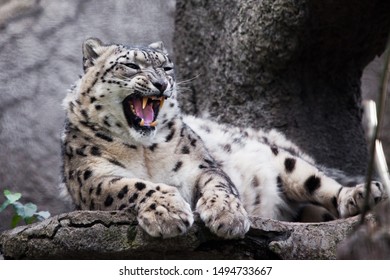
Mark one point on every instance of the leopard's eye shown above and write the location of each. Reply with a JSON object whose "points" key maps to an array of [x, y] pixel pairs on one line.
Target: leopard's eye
{"points": [[132, 66], [167, 68]]}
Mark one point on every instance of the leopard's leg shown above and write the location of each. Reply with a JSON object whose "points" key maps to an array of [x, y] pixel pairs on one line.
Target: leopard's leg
{"points": [[211, 191], [304, 182], [219, 205], [161, 210]]}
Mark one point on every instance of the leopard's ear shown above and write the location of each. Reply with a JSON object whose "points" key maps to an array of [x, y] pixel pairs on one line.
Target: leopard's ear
{"points": [[158, 46], [92, 49]]}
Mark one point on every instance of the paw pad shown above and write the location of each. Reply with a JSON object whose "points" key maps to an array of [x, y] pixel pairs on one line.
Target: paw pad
{"points": [[226, 217], [165, 217]]}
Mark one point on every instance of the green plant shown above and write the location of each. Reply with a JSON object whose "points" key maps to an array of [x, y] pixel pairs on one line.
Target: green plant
{"points": [[26, 212]]}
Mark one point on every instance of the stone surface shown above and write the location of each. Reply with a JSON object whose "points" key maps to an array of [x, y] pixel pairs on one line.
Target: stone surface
{"points": [[115, 235], [369, 241]]}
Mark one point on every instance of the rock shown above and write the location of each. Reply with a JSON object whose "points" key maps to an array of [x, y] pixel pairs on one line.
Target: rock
{"points": [[291, 65], [116, 235]]}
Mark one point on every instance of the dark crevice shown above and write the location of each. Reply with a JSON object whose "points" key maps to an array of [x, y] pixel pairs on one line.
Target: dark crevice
{"points": [[45, 236], [268, 236], [98, 222]]}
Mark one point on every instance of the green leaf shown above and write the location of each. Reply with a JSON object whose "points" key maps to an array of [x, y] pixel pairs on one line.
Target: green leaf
{"points": [[15, 220], [12, 197], [19, 208], [25, 211], [41, 215], [4, 205], [29, 210]]}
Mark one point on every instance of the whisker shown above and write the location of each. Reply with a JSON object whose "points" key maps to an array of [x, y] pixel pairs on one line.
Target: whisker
{"points": [[188, 80], [183, 89]]}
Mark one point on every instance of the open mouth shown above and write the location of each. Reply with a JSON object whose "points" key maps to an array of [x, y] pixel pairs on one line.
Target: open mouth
{"points": [[141, 112]]}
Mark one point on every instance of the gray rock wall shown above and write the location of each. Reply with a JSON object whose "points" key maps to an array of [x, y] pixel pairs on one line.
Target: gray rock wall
{"points": [[293, 65], [40, 57]]}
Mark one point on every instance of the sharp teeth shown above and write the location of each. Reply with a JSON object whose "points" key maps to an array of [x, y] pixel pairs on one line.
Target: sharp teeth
{"points": [[153, 123], [142, 123], [144, 102], [162, 102]]}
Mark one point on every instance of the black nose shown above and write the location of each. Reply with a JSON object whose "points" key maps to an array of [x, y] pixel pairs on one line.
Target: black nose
{"points": [[161, 86]]}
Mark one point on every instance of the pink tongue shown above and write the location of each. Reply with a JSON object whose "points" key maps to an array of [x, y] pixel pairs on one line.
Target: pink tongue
{"points": [[147, 114]]}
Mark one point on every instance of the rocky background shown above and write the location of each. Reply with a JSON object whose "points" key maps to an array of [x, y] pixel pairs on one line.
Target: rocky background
{"points": [[40, 57], [291, 65]]}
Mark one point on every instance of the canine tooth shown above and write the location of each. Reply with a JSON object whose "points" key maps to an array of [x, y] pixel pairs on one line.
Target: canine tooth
{"points": [[162, 102], [153, 123], [142, 123], [144, 102]]}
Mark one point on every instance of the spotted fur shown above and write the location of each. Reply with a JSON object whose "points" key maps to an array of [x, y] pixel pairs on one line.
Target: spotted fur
{"points": [[127, 147]]}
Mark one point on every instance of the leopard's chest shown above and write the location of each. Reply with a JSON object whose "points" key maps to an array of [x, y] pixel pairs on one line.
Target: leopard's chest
{"points": [[154, 162]]}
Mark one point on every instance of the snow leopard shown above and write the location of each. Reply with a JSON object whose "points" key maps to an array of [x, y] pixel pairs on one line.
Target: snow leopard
{"points": [[126, 146]]}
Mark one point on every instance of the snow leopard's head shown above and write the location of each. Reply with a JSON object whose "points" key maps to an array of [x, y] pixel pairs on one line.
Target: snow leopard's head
{"points": [[124, 88]]}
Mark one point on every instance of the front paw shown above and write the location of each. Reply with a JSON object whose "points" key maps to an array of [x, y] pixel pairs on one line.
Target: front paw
{"points": [[224, 215], [351, 200], [165, 214]]}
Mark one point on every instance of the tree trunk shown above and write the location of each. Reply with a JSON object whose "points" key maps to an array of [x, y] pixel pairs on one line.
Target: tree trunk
{"points": [[115, 235], [285, 64]]}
